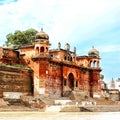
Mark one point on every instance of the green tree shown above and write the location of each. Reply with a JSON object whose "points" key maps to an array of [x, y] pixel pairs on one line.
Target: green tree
{"points": [[20, 38], [101, 76]]}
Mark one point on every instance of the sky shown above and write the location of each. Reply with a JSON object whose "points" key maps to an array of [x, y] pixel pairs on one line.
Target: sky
{"points": [[81, 23]]}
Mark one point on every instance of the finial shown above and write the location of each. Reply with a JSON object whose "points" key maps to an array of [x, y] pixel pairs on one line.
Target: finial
{"points": [[92, 46], [42, 29], [59, 45], [75, 50]]}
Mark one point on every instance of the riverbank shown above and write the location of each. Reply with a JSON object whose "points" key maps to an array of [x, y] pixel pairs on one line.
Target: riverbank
{"points": [[59, 105], [65, 108], [59, 115]]}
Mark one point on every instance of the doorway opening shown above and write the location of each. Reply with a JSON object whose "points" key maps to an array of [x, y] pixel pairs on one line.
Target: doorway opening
{"points": [[71, 81]]}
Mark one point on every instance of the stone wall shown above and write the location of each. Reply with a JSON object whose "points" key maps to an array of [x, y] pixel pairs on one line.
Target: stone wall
{"points": [[54, 81], [15, 80]]}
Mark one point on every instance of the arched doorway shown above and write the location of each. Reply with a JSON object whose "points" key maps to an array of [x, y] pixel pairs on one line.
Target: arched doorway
{"points": [[42, 49], [37, 51], [71, 81]]}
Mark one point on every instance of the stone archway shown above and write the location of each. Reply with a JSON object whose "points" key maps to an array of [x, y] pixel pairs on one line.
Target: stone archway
{"points": [[71, 81], [37, 50]]}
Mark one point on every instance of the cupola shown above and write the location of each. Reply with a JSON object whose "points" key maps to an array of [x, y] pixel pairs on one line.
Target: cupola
{"points": [[93, 52], [42, 35]]}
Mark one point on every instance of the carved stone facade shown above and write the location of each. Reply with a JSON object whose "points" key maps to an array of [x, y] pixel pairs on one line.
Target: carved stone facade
{"points": [[58, 71]]}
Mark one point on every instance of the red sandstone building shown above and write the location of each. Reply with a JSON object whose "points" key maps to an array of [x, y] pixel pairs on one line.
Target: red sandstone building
{"points": [[56, 72]]}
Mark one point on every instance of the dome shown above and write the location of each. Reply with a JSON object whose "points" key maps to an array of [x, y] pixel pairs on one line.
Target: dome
{"points": [[93, 52], [42, 35]]}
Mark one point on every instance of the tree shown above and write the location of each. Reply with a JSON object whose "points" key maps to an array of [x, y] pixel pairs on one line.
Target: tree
{"points": [[20, 38], [102, 76]]}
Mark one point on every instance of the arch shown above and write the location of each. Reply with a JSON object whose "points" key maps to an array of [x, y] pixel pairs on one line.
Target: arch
{"points": [[42, 49], [91, 64], [94, 62], [71, 59], [77, 83], [37, 50], [46, 49], [71, 81], [65, 58], [98, 63], [68, 58]]}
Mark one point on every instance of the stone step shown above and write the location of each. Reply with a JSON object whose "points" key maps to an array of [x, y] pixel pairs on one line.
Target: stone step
{"points": [[14, 101], [55, 108], [103, 108], [3, 103]]}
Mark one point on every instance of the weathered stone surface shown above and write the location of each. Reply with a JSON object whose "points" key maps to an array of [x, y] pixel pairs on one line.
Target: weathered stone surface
{"points": [[15, 80], [55, 72]]}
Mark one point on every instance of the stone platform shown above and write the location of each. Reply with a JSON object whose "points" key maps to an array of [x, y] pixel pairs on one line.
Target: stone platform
{"points": [[58, 108]]}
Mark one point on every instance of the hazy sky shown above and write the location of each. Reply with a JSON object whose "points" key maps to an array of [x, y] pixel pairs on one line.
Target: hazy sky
{"points": [[81, 23]]}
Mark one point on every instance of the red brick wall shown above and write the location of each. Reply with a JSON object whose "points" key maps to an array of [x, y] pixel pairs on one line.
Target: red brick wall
{"points": [[54, 82], [15, 80]]}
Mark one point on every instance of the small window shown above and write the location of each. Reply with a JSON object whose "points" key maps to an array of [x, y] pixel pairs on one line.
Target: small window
{"points": [[71, 59], [68, 58], [51, 55], [37, 50], [42, 49], [46, 49], [28, 61], [76, 83], [65, 58]]}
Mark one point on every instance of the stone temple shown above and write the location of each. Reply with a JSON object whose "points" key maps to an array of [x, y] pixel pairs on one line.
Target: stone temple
{"points": [[45, 71]]}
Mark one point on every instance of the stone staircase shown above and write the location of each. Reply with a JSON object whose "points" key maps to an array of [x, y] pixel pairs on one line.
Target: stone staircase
{"points": [[53, 108], [61, 104], [103, 108], [67, 93], [15, 102], [103, 101], [77, 96], [3, 103]]}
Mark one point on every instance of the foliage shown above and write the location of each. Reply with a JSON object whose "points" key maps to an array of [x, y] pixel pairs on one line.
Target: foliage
{"points": [[20, 38], [1, 64], [20, 66], [14, 66], [85, 69], [102, 76]]}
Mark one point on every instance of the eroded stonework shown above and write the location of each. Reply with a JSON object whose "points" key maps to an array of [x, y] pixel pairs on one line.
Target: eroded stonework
{"points": [[56, 72]]}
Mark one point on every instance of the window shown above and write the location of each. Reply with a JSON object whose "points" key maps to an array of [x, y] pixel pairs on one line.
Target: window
{"points": [[51, 55], [76, 83], [65, 58], [68, 58], [46, 49], [37, 50], [42, 49]]}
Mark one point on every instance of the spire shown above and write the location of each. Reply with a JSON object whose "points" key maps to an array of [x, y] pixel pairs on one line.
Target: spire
{"points": [[41, 29], [59, 45]]}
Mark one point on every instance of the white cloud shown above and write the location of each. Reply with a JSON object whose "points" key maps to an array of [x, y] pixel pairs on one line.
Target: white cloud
{"points": [[109, 48], [2, 2], [61, 17], [73, 21]]}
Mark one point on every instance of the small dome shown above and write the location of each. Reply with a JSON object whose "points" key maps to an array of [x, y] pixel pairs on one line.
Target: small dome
{"points": [[93, 52], [42, 35]]}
